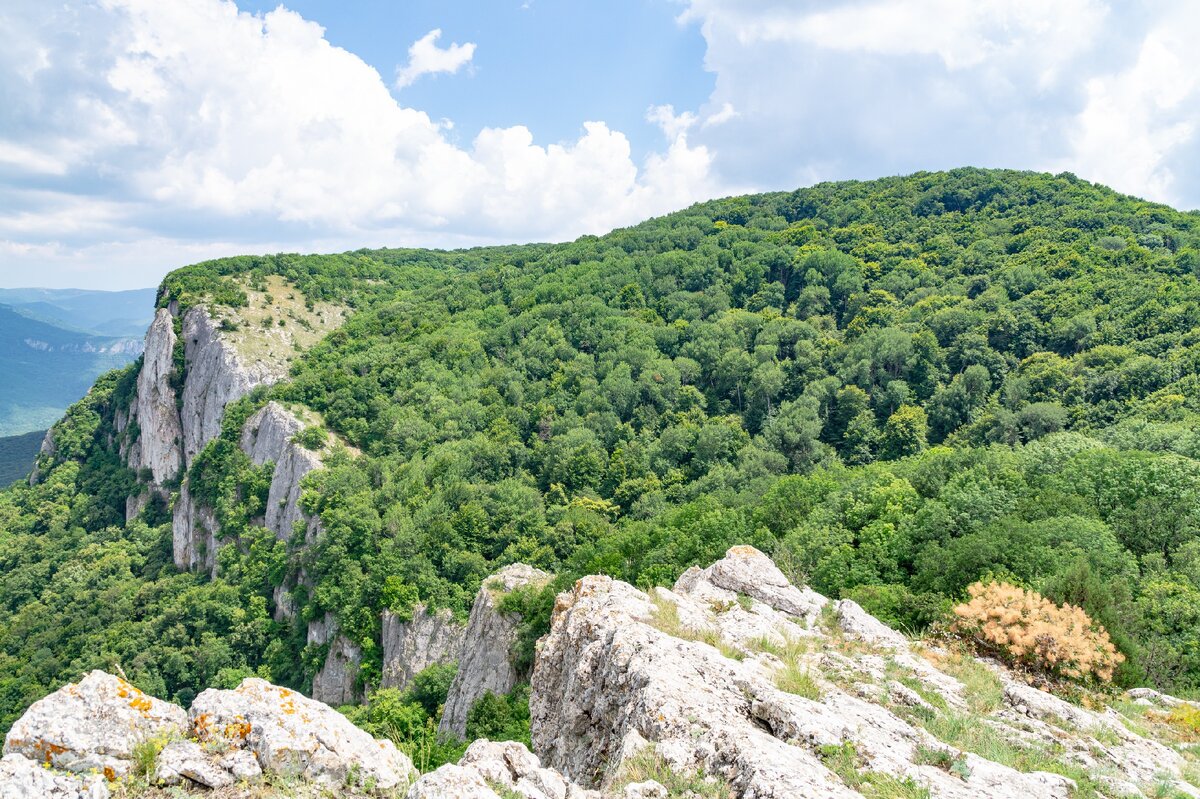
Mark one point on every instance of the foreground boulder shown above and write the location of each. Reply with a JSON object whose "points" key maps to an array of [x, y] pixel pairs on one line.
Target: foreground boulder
{"points": [[486, 662], [298, 737], [489, 770], [93, 725], [772, 691], [21, 778]]}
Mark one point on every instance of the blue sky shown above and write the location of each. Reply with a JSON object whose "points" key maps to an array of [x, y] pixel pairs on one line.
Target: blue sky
{"points": [[137, 136], [545, 64]]}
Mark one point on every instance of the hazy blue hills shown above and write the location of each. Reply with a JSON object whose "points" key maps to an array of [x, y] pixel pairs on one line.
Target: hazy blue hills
{"points": [[105, 313], [54, 343], [17, 454]]}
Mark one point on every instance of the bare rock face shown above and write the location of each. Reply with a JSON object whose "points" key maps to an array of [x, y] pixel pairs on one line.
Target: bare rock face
{"points": [[745, 681], [334, 683], [94, 724], [486, 663], [267, 436], [490, 770], [160, 443], [21, 778], [194, 530], [216, 376], [294, 736], [410, 647]]}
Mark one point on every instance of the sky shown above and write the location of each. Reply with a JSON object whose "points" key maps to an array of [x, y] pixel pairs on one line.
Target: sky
{"points": [[137, 136]]}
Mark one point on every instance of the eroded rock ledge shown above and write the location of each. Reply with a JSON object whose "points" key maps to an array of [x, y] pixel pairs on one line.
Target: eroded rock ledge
{"points": [[732, 684]]}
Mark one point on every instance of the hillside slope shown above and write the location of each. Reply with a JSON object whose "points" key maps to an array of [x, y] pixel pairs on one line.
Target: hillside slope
{"points": [[894, 387], [48, 367], [17, 454]]}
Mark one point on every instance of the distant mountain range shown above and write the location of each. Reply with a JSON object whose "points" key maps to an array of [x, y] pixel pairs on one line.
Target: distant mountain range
{"points": [[55, 342], [100, 313]]}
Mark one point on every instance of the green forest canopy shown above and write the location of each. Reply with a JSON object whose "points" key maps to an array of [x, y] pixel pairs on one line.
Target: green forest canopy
{"points": [[895, 387]]}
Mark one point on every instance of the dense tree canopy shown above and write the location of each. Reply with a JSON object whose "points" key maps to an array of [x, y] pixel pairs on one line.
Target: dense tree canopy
{"points": [[896, 387]]}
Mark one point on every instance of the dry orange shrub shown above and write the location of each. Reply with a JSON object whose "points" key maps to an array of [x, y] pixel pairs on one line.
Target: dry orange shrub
{"points": [[1031, 630]]}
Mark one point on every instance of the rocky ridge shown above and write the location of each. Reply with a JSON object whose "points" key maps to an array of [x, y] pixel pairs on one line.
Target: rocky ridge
{"points": [[485, 665], [226, 354], [733, 683]]}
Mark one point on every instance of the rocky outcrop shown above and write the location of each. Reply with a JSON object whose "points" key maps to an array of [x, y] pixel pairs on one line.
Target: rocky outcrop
{"points": [[412, 645], [216, 376], [490, 770], [92, 725], [228, 737], [486, 663], [294, 736], [173, 426], [268, 436], [159, 447], [335, 683], [22, 778], [738, 675]]}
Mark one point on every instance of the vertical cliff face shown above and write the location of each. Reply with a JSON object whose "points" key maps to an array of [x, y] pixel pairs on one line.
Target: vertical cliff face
{"points": [[486, 662], [159, 443], [179, 408], [413, 645], [216, 376], [268, 437]]}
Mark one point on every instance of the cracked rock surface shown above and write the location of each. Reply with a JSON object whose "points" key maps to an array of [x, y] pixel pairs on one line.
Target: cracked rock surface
{"points": [[776, 692]]}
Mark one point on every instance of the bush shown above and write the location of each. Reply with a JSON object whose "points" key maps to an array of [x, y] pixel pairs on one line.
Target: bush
{"points": [[1027, 629]]}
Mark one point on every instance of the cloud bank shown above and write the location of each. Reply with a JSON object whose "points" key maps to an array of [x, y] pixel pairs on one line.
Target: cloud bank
{"points": [[162, 127], [139, 135]]}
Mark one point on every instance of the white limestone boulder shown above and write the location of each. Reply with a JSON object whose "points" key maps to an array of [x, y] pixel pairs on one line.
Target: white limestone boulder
{"points": [[298, 737], [21, 778], [94, 724]]}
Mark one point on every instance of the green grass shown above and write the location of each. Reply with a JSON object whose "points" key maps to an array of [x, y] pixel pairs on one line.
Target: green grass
{"points": [[845, 762], [648, 764]]}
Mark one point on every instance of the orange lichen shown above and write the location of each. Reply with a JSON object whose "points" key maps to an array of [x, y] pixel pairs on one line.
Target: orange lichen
{"points": [[1030, 630], [109, 774], [201, 726], [237, 729], [142, 704], [47, 750]]}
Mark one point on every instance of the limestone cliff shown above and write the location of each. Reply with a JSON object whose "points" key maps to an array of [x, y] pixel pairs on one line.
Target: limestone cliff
{"points": [[413, 645], [216, 376], [486, 663], [267, 437], [159, 445]]}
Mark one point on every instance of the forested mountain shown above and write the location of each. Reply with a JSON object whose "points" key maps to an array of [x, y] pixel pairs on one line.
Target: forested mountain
{"points": [[17, 454], [47, 365], [894, 387]]}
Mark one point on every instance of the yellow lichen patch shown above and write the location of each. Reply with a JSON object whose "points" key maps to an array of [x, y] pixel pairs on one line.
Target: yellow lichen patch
{"points": [[288, 706], [141, 704], [237, 730]]}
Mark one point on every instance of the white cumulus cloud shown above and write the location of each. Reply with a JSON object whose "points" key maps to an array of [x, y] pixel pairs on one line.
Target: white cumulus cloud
{"points": [[132, 141], [426, 58], [833, 89]]}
